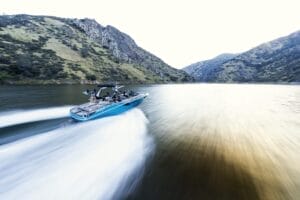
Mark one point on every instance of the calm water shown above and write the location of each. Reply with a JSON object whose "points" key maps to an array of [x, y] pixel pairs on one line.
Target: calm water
{"points": [[198, 141]]}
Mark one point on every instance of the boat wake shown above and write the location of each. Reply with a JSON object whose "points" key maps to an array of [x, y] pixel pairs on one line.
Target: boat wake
{"points": [[25, 116], [91, 160]]}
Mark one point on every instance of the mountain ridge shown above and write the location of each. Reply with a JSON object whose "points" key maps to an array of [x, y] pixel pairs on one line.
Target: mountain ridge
{"points": [[201, 70], [274, 61], [49, 49]]}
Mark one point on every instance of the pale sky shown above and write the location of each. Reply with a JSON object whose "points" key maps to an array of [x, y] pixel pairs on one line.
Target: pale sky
{"points": [[179, 32]]}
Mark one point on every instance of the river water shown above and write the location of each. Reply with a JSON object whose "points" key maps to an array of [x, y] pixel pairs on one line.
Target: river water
{"points": [[190, 141]]}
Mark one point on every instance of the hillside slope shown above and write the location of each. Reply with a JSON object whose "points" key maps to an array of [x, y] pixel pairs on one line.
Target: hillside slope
{"points": [[204, 70], [43, 49], [275, 61]]}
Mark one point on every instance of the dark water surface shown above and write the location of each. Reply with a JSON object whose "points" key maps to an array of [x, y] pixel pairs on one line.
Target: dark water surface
{"points": [[197, 141]]}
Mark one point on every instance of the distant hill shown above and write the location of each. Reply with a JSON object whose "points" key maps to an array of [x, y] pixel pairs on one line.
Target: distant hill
{"points": [[44, 49], [275, 61], [205, 70]]}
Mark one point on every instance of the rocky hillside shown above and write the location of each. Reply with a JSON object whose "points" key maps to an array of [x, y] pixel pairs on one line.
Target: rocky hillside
{"points": [[43, 49], [275, 61], [204, 70]]}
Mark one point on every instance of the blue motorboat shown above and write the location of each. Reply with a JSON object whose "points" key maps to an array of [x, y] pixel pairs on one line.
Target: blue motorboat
{"points": [[106, 105]]}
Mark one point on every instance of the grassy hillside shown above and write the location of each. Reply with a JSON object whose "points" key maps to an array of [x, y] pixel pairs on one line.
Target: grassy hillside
{"points": [[41, 49]]}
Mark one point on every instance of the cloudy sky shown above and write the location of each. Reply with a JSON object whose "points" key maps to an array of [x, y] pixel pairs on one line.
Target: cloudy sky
{"points": [[180, 32]]}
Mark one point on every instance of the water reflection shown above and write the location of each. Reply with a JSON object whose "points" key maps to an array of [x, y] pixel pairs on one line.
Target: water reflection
{"points": [[224, 142]]}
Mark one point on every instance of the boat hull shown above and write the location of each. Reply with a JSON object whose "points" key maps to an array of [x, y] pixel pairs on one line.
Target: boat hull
{"points": [[115, 109]]}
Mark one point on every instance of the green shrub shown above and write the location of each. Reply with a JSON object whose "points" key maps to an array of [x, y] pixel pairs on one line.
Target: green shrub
{"points": [[90, 77], [84, 51]]}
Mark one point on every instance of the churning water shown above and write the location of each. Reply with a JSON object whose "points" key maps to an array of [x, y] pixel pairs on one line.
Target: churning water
{"points": [[90, 160], [20, 117], [210, 141]]}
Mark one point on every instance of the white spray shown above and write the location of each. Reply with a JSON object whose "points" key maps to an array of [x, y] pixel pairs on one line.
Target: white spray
{"points": [[25, 116], [83, 161]]}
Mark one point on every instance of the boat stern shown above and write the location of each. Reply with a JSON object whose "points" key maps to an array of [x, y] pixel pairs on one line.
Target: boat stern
{"points": [[79, 114]]}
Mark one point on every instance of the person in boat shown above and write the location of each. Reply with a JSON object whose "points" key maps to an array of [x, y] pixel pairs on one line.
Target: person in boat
{"points": [[119, 98], [114, 97], [131, 93], [125, 94], [93, 98], [106, 97]]}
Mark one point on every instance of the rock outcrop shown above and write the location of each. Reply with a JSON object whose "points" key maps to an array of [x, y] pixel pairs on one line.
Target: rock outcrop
{"points": [[124, 48]]}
